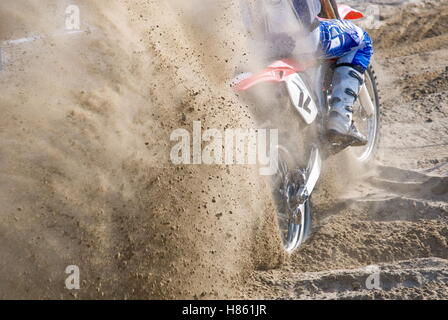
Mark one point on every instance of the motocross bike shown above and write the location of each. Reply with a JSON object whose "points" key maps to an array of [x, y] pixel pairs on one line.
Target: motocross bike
{"points": [[302, 91]]}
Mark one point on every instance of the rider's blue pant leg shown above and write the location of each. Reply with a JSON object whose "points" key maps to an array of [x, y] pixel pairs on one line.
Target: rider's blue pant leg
{"points": [[343, 40]]}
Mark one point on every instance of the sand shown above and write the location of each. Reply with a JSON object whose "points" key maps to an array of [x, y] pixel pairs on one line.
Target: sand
{"points": [[86, 178]]}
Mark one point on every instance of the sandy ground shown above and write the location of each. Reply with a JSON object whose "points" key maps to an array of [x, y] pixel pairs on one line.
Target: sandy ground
{"points": [[86, 179]]}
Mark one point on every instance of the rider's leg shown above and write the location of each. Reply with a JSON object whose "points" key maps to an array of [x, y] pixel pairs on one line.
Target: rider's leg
{"points": [[347, 80]]}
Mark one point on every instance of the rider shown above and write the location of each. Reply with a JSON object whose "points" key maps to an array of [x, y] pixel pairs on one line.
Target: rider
{"points": [[333, 39]]}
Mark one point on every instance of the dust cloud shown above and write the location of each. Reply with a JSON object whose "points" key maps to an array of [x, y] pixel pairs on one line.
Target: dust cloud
{"points": [[86, 178]]}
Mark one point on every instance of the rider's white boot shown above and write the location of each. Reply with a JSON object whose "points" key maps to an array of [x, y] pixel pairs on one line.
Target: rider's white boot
{"points": [[347, 82]]}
